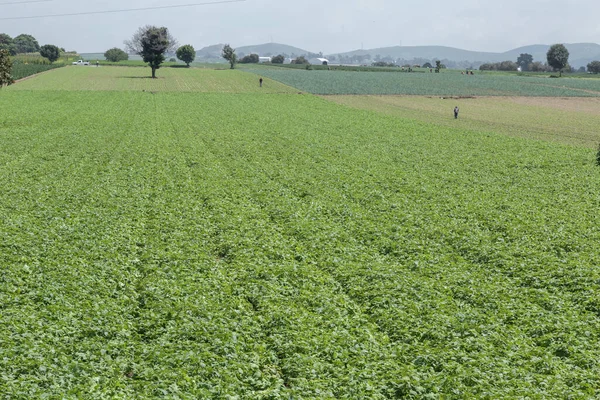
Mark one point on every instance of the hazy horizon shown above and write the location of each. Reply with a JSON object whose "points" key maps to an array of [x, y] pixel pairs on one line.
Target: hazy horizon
{"points": [[332, 27]]}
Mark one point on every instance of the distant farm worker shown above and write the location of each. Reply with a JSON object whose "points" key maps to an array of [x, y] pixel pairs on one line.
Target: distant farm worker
{"points": [[97, 63], [260, 81], [456, 112]]}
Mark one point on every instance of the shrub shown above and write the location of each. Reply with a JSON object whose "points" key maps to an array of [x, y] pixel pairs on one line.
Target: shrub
{"points": [[598, 156], [115, 55], [187, 54], [250, 59]]}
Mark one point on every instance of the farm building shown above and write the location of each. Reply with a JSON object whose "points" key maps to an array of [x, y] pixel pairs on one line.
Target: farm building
{"points": [[264, 59]]}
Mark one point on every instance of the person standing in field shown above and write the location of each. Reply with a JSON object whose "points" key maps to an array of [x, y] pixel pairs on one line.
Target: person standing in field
{"points": [[260, 81], [456, 109]]}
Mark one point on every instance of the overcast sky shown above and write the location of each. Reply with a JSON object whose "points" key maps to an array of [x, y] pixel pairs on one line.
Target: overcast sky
{"points": [[316, 25]]}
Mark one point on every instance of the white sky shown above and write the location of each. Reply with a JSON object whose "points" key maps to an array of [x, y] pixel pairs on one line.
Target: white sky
{"points": [[316, 25]]}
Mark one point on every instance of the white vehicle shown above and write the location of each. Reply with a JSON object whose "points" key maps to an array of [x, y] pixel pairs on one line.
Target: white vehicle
{"points": [[81, 62]]}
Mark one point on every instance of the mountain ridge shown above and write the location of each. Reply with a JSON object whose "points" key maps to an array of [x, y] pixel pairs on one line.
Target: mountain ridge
{"points": [[580, 53]]}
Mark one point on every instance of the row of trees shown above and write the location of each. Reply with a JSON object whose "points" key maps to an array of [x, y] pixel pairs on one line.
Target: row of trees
{"points": [[228, 53], [557, 58], [21, 44]]}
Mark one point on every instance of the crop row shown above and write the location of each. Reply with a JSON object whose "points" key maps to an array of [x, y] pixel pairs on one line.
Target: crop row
{"points": [[189, 246], [20, 71]]}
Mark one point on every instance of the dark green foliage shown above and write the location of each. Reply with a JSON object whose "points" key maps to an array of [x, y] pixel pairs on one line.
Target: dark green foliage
{"points": [[383, 64], [279, 59], [5, 68], [250, 59], [594, 67], [7, 43], [151, 43], [51, 52], [187, 54], [228, 53], [500, 66], [300, 61], [427, 65], [524, 60], [115, 55], [155, 43], [598, 156], [26, 44], [22, 70], [558, 57]]}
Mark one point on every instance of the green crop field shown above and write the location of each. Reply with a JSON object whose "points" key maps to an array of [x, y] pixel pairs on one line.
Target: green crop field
{"points": [[209, 240], [430, 84], [84, 78]]}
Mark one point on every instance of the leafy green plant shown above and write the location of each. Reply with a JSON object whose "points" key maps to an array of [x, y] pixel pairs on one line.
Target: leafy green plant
{"points": [[309, 250]]}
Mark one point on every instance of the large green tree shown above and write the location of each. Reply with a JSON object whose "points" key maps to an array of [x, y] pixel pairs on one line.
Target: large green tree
{"points": [[7, 43], [228, 53], [187, 54], [558, 57], [279, 59], [115, 55], [26, 44], [594, 67], [50, 51], [524, 60], [5, 68], [152, 43]]}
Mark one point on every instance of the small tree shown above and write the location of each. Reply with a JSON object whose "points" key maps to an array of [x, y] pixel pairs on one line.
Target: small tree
{"points": [[51, 52], [524, 60], [151, 43], [5, 68], [558, 57], [228, 53], [594, 67], [438, 66], [279, 59], [187, 54], [115, 55]]}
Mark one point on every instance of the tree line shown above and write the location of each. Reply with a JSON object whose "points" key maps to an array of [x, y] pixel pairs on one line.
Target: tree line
{"points": [[557, 59]]}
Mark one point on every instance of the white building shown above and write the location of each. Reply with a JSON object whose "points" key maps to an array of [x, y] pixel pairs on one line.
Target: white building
{"points": [[319, 61]]}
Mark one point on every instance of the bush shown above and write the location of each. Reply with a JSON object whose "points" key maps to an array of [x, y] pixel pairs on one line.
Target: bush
{"points": [[250, 59], [300, 60], [115, 55], [278, 59], [51, 52], [187, 54], [598, 156], [594, 67]]}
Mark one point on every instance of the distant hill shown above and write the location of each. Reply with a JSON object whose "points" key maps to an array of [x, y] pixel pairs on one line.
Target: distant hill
{"points": [[580, 53], [267, 49]]}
